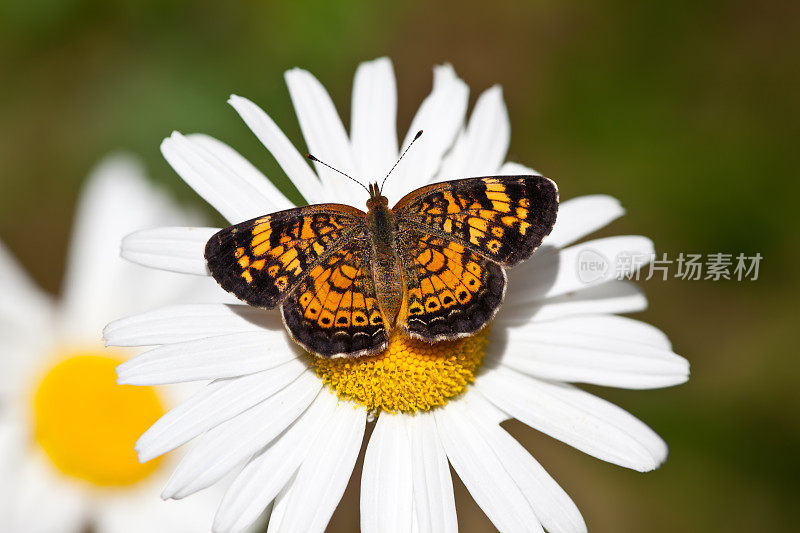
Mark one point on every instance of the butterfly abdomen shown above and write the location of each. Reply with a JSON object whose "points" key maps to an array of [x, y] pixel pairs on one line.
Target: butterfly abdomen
{"points": [[385, 263]]}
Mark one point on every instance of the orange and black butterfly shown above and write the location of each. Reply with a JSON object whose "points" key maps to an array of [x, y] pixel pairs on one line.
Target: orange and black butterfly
{"points": [[432, 265]]}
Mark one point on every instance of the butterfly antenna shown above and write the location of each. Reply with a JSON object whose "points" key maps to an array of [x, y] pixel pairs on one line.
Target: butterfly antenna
{"points": [[417, 136], [311, 157]]}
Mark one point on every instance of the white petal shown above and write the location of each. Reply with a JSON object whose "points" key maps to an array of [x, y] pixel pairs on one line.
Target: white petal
{"points": [[575, 417], [215, 403], [581, 216], [551, 272], [553, 507], [23, 303], [325, 135], [603, 327], [235, 164], [116, 200], [183, 323], [441, 116], [280, 506], [143, 511], [178, 249], [373, 124], [610, 297], [568, 350], [509, 168], [222, 448], [223, 356], [231, 194], [386, 490], [293, 164], [482, 148], [323, 476], [490, 485], [267, 473], [434, 503]]}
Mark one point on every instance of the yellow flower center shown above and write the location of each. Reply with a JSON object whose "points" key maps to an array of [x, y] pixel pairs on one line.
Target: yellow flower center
{"points": [[87, 424], [411, 375]]}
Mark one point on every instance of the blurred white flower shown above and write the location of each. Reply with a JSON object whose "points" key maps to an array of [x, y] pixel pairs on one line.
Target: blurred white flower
{"points": [[298, 422], [66, 428]]}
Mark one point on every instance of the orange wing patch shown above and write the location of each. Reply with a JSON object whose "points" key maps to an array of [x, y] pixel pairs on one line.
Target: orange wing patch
{"points": [[450, 291], [260, 261], [334, 310], [502, 218]]}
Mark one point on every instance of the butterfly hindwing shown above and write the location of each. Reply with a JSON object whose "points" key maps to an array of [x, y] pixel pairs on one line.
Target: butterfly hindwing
{"points": [[262, 260], [450, 291], [334, 311], [503, 218]]}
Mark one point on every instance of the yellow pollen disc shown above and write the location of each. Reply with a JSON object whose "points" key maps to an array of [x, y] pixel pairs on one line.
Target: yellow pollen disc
{"points": [[87, 424], [411, 375]]}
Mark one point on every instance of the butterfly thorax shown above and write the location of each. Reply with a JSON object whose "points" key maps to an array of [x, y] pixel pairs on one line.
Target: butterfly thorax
{"points": [[382, 229]]}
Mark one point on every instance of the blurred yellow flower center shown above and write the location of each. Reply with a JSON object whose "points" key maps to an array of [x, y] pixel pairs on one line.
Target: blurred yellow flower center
{"points": [[411, 375], [87, 424]]}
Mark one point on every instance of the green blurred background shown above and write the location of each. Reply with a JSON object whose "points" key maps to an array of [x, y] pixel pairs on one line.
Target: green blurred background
{"points": [[687, 111]]}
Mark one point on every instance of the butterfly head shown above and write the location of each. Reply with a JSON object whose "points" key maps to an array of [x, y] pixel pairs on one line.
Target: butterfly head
{"points": [[376, 199]]}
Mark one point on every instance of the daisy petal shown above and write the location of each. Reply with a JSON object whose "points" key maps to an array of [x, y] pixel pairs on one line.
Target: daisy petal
{"points": [[116, 200], [178, 249], [608, 298], [441, 116], [281, 148], [509, 168], [324, 134], [225, 446], [555, 509], [262, 479], [234, 163], [434, 503], [183, 323], [23, 303], [575, 417], [324, 474], [234, 196], [223, 356], [482, 148], [490, 485], [373, 123], [386, 490], [553, 273], [610, 327], [602, 350], [217, 402], [581, 216]]}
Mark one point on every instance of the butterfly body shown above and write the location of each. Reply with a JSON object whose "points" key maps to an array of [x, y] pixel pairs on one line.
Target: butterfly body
{"points": [[433, 265], [382, 229]]}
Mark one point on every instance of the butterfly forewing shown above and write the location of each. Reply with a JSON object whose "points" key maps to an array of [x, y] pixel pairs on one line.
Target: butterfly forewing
{"points": [[262, 260], [502, 218]]}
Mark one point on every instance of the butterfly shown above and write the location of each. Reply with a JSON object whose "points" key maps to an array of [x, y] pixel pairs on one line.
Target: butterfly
{"points": [[433, 265]]}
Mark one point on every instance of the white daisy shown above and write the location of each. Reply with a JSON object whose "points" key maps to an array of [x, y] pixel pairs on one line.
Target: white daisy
{"points": [[66, 427], [297, 422]]}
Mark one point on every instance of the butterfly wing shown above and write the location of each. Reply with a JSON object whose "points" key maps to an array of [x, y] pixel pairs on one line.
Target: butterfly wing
{"points": [[450, 291], [502, 218], [314, 263], [262, 260], [456, 237], [335, 312]]}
